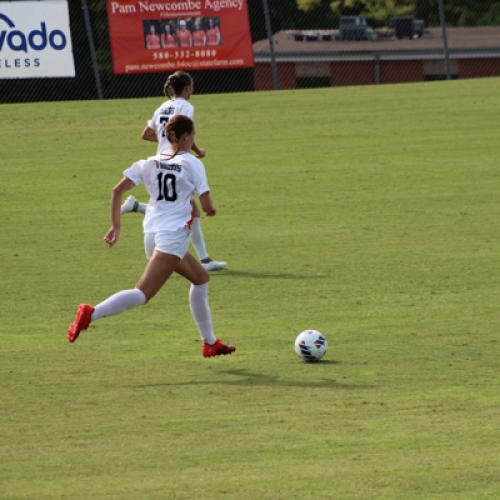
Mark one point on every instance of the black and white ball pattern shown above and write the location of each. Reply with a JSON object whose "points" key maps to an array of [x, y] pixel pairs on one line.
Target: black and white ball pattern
{"points": [[310, 345]]}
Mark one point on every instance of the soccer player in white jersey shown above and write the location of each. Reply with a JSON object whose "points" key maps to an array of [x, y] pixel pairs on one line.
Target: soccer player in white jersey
{"points": [[171, 181], [179, 87]]}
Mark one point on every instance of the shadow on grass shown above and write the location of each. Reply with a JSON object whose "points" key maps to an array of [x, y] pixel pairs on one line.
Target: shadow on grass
{"points": [[267, 275], [248, 378]]}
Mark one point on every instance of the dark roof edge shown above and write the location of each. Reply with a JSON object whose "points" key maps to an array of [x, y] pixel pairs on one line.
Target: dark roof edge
{"points": [[264, 57]]}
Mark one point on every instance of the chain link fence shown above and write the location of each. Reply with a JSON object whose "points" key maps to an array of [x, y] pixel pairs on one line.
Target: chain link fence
{"points": [[314, 43]]}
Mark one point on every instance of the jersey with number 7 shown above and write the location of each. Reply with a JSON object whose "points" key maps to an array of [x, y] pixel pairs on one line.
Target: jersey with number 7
{"points": [[170, 108]]}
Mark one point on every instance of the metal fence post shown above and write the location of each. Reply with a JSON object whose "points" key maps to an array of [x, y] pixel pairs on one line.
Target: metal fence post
{"points": [[269, 31], [442, 20], [88, 27]]}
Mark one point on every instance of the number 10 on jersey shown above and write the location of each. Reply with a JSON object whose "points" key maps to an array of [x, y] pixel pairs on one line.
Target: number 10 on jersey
{"points": [[166, 187]]}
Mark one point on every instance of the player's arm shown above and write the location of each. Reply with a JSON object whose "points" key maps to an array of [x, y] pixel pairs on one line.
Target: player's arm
{"points": [[199, 152], [149, 134], [206, 203], [111, 237], [202, 188]]}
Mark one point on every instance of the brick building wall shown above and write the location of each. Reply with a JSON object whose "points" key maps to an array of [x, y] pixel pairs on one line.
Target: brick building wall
{"points": [[345, 73], [476, 68], [263, 76], [401, 71]]}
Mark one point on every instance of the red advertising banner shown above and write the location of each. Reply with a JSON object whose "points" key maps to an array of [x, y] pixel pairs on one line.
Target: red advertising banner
{"points": [[149, 36]]}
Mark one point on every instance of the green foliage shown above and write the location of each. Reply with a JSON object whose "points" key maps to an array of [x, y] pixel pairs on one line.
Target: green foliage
{"points": [[370, 213], [307, 5], [458, 12], [467, 12], [379, 10]]}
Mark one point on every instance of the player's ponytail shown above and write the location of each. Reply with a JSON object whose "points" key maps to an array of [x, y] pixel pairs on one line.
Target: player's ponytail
{"points": [[176, 83], [176, 128]]}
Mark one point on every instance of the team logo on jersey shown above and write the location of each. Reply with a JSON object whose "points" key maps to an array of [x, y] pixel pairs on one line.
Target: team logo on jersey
{"points": [[36, 39]]}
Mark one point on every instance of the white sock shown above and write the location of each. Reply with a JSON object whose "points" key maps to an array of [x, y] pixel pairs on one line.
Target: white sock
{"points": [[141, 208], [198, 301], [118, 303], [198, 239]]}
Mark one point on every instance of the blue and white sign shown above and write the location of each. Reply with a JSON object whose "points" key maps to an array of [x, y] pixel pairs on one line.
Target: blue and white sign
{"points": [[35, 40]]}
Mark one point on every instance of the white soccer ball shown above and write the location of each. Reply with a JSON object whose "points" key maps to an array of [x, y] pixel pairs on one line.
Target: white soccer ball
{"points": [[310, 345]]}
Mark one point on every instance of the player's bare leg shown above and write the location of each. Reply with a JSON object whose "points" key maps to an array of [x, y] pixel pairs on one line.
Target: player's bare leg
{"points": [[160, 267]]}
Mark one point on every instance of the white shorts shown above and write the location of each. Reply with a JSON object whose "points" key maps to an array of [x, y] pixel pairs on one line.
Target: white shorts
{"points": [[171, 242]]}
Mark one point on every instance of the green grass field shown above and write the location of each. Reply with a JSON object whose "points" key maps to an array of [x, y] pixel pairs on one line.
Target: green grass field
{"points": [[369, 213]]}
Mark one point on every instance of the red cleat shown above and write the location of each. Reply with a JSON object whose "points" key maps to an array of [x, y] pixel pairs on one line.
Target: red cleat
{"points": [[217, 349], [82, 321]]}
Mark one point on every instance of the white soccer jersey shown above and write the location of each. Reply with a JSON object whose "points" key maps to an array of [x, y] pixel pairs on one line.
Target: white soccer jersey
{"points": [[170, 184], [172, 107]]}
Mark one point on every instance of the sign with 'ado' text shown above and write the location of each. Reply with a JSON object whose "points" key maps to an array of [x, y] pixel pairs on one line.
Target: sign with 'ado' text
{"points": [[35, 40]]}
